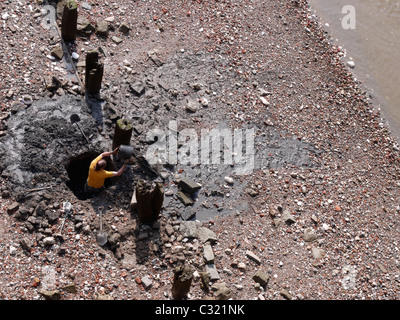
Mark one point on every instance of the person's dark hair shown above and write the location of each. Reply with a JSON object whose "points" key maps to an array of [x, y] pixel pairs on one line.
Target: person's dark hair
{"points": [[101, 164]]}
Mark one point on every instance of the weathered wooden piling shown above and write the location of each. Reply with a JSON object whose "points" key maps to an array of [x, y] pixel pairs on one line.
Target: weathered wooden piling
{"points": [[149, 200], [122, 133], [94, 73], [183, 276], [69, 21]]}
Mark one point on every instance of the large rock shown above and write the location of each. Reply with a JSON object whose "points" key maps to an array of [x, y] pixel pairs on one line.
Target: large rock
{"points": [[50, 294], [208, 253], [309, 235], [261, 277], [187, 201], [57, 52], [206, 235], [212, 271], [221, 291], [287, 217], [84, 27], [188, 229], [188, 185], [102, 28], [12, 208], [252, 256]]}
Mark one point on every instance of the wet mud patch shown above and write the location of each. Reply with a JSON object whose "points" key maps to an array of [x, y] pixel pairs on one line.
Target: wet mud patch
{"points": [[199, 90], [41, 141]]}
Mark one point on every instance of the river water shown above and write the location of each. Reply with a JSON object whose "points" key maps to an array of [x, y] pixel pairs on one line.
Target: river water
{"points": [[374, 46]]}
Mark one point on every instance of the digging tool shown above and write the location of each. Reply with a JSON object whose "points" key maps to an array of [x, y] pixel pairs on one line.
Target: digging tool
{"points": [[101, 236], [75, 119], [67, 207], [38, 189]]}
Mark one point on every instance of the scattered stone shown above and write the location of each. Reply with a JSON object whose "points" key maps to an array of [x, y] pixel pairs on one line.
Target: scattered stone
{"points": [[261, 277], [221, 291], [205, 280], [84, 27], [169, 230], [212, 271], [287, 217], [86, 5], [188, 229], [12, 208], [206, 235], [146, 282], [317, 253], [137, 87], [208, 253], [124, 28], [187, 201], [50, 295], [75, 56], [284, 293], [13, 250], [264, 101], [229, 180], [26, 244], [153, 55], [70, 288], [309, 235], [49, 241], [134, 201], [116, 39], [241, 266], [57, 52], [110, 19], [204, 102], [251, 255], [252, 192], [351, 64], [277, 222], [191, 105], [382, 267], [102, 28], [188, 185]]}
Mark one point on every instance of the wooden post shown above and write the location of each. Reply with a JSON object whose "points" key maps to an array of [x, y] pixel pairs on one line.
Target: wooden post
{"points": [[69, 21], [94, 73], [183, 276], [149, 199], [122, 133]]}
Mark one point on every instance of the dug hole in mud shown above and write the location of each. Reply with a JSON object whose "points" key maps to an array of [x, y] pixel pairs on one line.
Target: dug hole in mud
{"points": [[43, 149]]}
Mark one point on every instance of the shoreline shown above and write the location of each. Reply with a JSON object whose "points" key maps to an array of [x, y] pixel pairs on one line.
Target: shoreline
{"points": [[320, 231], [367, 76]]}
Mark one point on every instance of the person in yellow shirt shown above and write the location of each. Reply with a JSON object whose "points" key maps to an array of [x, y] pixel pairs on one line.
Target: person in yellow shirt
{"points": [[97, 173]]}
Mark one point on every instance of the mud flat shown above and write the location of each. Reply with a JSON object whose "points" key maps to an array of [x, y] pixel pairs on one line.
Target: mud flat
{"points": [[314, 219]]}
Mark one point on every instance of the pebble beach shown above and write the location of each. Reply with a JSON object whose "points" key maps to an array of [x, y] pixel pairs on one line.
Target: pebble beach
{"points": [[321, 228]]}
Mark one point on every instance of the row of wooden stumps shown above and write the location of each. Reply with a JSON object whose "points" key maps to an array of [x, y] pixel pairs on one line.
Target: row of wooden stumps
{"points": [[148, 199], [94, 68]]}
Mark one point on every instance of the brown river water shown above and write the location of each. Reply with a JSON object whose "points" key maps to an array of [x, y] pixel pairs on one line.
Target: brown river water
{"points": [[373, 43]]}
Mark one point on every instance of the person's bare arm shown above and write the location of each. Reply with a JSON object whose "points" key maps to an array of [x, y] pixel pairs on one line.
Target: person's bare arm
{"points": [[109, 153], [120, 171]]}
